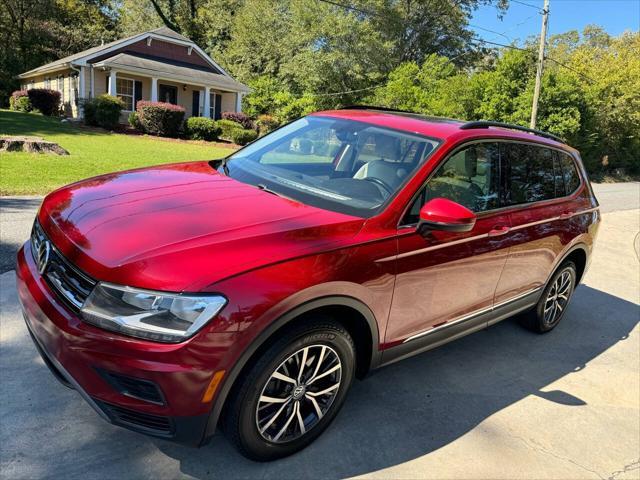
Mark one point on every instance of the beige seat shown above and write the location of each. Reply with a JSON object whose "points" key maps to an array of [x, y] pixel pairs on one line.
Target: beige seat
{"points": [[388, 168]]}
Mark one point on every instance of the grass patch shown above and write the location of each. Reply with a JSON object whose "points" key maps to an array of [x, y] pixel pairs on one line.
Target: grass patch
{"points": [[92, 152]]}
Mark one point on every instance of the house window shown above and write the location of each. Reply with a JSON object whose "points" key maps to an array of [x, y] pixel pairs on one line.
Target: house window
{"points": [[47, 83], [60, 87], [125, 91]]}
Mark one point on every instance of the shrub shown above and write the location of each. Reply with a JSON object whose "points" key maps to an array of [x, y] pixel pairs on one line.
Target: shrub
{"points": [[227, 127], [45, 100], [267, 124], [202, 128], [134, 121], [239, 117], [159, 118], [103, 111], [19, 101], [243, 136]]}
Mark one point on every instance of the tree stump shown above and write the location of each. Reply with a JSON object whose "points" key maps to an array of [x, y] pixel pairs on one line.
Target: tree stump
{"points": [[30, 145]]}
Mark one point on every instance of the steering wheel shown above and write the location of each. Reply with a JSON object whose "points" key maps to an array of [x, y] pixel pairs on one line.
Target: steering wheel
{"points": [[380, 183]]}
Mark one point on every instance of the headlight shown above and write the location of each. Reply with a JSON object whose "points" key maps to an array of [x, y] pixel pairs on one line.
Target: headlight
{"points": [[159, 316]]}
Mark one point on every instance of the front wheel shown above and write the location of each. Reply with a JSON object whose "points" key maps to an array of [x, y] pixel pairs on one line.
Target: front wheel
{"points": [[292, 392], [554, 300]]}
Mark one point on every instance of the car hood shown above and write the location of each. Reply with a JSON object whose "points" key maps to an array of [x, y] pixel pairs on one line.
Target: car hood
{"points": [[182, 227]]}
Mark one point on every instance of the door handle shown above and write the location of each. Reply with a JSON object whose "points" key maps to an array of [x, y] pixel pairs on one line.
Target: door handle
{"points": [[497, 231], [565, 215]]}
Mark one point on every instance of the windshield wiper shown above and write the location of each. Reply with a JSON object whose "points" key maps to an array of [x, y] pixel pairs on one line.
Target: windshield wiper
{"points": [[264, 188]]}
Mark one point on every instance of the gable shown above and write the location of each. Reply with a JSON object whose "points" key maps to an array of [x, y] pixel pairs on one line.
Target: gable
{"points": [[174, 53]]}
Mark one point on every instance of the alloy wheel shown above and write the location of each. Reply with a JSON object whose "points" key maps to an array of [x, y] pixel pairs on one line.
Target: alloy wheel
{"points": [[298, 393], [557, 298]]}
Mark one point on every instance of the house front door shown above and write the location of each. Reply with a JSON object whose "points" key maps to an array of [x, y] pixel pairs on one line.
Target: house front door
{"points": [[195, 104], [168, 94]]}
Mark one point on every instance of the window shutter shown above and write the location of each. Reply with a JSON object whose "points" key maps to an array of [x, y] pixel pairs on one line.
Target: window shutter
{"points": [[138, 93]]}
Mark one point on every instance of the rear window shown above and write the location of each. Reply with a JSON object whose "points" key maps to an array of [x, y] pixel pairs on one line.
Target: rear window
{"points": [[531, 175], [570, 173]]}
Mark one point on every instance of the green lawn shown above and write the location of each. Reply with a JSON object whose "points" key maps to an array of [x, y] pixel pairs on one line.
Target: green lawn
{"points": [[92, 152]]}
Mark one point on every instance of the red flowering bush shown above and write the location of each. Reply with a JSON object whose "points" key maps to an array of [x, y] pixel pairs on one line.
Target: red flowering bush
{"points": [[19, 101], [159, 118], [239, 117], [45, 100]]}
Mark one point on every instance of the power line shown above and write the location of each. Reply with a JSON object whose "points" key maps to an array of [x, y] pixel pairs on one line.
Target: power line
{"points": [[528, 5], [349, 7], [514, 27], [477, 40], [570, 68], [546, 57], [382, 84], [512, 47], [490, 31]]}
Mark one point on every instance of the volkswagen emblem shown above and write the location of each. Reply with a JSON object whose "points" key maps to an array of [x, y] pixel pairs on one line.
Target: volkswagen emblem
{"points": [[43, 255], [299, 391]]}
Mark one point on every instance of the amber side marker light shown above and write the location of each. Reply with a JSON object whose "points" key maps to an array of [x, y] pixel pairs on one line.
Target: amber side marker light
{"points": [[213, 386]]}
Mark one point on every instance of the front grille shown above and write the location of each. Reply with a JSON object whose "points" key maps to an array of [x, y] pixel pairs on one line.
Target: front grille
{"points": [[134, 387], [153, 424], [71, 285]]}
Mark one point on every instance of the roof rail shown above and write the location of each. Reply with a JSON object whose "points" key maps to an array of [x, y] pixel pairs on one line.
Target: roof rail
{"points": [[371, 107], [487, 124]]}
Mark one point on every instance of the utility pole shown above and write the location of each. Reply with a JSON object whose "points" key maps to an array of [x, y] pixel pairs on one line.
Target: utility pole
{"points": [[543, 41]]}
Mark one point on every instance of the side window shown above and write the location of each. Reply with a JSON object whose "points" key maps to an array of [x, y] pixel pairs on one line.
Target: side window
{"points": [[529, 173], [570, 173], [470, 177]]}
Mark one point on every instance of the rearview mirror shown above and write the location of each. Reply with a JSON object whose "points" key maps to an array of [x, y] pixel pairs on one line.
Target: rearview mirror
{"points": [[446, 215]]}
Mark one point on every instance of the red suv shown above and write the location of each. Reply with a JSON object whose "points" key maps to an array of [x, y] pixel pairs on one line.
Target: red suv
{"points": [[250, 291]]}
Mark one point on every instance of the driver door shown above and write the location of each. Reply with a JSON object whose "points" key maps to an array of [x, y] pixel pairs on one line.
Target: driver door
{"points": [[443, 277]]}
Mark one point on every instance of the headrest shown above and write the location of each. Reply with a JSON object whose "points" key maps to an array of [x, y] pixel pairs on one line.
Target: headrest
{"points": [[471, 162], [387, 147]]}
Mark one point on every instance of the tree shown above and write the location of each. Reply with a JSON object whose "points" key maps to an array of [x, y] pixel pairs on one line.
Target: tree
{"points": [[34, 32]]}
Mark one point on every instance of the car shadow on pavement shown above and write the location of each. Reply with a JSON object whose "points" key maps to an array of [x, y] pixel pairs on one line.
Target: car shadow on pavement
{"points": [[398, 414], [419, 405]]}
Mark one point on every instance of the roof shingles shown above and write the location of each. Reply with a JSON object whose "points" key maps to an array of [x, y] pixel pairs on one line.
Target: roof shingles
{"points": [[223, 81]]}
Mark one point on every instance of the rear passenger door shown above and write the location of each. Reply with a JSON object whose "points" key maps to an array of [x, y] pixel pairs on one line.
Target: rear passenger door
{"points": [[535, 185]]}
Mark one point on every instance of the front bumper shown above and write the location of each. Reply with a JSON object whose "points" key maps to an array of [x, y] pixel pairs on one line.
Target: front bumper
{"points": [[84, 357]]}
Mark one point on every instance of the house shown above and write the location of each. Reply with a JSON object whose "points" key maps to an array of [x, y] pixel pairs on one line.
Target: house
{"points": [[158, 65]]}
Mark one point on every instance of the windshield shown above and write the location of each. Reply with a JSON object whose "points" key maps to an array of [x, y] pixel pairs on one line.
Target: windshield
{"points": [[332, 163]]}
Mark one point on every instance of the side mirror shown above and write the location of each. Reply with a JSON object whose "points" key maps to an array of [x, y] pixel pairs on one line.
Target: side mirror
{"points": [[446, 215]]}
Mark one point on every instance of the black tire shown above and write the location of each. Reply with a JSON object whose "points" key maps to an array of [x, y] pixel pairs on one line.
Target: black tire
{"points": [[317, 336], [535, 319]]}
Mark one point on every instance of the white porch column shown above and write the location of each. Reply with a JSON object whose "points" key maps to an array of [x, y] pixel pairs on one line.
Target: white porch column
{"points": [[112, 82], [207, 102], [238, 102], [154, 89], [81, 94], [92, 83]]}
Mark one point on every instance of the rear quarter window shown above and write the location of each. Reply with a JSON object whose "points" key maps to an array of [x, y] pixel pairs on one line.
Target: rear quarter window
{"points": [[569, 172]]}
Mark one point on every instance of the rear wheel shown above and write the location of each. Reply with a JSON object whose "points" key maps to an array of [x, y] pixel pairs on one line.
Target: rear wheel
{"points": [[293, 392], [553, 302]]}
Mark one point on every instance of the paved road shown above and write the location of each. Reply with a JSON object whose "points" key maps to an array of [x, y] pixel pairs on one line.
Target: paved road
{"points": [[501, 403], [16, 218]]}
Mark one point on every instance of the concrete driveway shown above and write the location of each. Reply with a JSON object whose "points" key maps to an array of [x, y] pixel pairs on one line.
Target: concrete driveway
{"points": [[501, 403]]}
